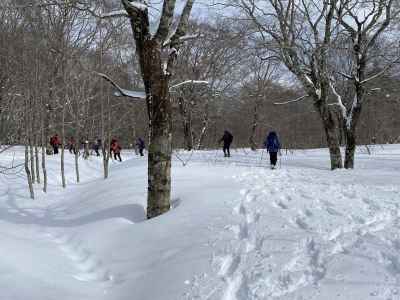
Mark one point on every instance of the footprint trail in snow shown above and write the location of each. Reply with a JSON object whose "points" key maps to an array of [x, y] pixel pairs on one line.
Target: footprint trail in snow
{"points": [[295, 232]]}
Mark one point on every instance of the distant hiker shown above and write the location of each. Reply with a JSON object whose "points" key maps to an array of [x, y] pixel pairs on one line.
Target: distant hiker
{"points": [[71, 145], [227, 138], [86, 152], [140, 145], [97, 146], [116, 149], [55, 143], [273, 146]]}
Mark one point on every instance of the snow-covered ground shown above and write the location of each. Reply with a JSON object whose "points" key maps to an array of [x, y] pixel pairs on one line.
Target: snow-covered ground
{"points": [[237, 230]]}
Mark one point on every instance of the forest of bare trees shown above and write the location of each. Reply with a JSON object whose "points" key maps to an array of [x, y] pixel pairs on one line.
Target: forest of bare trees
{"points": [[320, 73]]}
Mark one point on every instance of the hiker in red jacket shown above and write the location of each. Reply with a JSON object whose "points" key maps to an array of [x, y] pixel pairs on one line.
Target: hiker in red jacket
{"points": [[116, 149], [55, 143], [72, 145]]}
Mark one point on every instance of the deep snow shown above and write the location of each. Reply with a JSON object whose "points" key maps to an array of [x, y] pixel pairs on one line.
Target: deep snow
{"points": [[237, 230]]}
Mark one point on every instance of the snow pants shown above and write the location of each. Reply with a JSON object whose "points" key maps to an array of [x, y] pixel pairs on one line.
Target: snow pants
{"points": [[226, 150], [141, 151], [117, 156], [55, 149], [273, 157]]}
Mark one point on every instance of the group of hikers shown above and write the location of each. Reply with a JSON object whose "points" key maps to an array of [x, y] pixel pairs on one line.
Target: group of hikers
{"points": [[271, 143], [115, 147]]}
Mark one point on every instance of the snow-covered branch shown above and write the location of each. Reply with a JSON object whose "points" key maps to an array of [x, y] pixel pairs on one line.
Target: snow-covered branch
{"points": [[120, 92], [291, 101], [349, 77], [188, 82], [339, 100], [137, 5], [182, 39], [112, 14]]}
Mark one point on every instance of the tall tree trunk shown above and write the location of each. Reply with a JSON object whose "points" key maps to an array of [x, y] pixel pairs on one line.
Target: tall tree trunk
{"points": [[28, 172], [350, 149], [204, 128], [106, 133], [63, 148], [31, 139], [187, 123], [32, 158], [160, 148], [43, 145], [77, 148], [253, 144], [351, 137], [27, 142], [37, 160], [47, 117], [332, 139]]}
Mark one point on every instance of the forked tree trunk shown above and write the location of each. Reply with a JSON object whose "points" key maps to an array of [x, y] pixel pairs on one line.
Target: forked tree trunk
{"points": [[157, 55]]}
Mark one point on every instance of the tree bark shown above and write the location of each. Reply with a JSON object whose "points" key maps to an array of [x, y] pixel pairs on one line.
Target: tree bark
{"points": [[62, 148], [37, 161], [351, 137], [28, 172], [160, 148], [350, 149], [32, 158], [254, 125], [332, 139], [187, 123], [157, 55], [44, 142], [204, 128]]}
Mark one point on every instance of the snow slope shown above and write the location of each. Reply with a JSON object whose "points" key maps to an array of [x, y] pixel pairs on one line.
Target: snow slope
{"points": [[237, 230]]}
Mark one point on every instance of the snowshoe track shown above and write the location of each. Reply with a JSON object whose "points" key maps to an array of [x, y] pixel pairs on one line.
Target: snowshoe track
{"points": [[88, 267], [290, 226]]}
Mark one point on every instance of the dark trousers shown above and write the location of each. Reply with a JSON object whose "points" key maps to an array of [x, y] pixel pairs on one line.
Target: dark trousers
{"points": [[72, 149], [141, 151], [55, 149], [273, 157], [97, 152], [226, 150], [117, 155]]}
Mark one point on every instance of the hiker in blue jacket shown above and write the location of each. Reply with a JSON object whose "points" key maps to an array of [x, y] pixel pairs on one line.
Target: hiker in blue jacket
{"points": [[273, 146], [140, 145]]}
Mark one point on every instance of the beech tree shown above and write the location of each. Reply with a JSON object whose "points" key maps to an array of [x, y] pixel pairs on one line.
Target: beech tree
{"points": [[305, 36], [364, 22], [300, 33], [157, 53]]}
